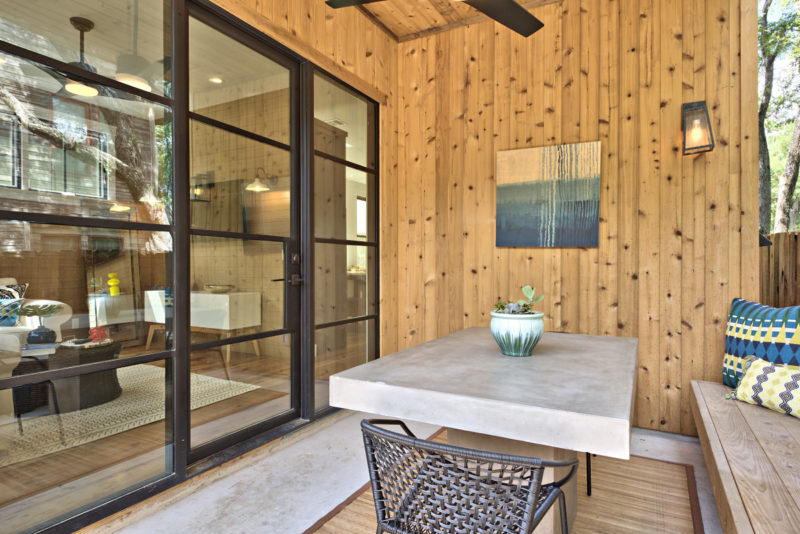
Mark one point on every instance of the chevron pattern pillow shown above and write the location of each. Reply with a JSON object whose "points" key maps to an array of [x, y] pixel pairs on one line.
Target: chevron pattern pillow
{"points": [[9, 310], [772, 385], [771, 334]]}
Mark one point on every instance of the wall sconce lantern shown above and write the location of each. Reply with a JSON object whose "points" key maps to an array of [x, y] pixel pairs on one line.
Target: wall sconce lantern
{"points": [[200, 187], [697, 134]]}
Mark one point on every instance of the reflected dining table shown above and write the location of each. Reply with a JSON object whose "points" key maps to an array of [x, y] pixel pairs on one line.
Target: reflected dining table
{"points": [[574, 394]]}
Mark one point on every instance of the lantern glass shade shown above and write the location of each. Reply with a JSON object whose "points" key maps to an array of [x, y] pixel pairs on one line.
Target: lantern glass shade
{"points": [[697, 134]]}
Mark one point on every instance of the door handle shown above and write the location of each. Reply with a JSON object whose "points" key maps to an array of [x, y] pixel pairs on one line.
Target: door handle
{"points": [[296, 280]]}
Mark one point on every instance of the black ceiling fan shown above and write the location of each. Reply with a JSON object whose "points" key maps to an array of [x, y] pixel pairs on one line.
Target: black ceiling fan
{"points": [[506, 12]]}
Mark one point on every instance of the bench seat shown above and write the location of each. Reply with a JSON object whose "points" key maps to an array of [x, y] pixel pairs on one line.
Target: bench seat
{"points": [[753, 460]]}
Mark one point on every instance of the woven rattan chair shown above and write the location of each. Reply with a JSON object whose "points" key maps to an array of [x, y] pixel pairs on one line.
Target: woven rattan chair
{"points": [[425, 487]]}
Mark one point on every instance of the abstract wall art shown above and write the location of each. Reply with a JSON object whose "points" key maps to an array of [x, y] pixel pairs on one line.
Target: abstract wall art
{"points": [[549, 196]]}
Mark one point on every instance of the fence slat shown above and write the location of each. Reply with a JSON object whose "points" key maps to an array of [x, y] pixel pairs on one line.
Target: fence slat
{"points": [[779, 270]]}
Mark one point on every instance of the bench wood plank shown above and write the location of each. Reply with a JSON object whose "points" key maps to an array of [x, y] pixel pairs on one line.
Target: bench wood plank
{"points": [[776, 434], [751, 451], [732, 515]]}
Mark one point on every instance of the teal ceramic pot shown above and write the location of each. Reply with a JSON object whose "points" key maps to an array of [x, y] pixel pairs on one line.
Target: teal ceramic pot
{"points": [[517, 334]]}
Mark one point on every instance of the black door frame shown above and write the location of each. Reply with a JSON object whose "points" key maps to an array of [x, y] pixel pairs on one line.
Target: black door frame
{"points": [[291, 244]]}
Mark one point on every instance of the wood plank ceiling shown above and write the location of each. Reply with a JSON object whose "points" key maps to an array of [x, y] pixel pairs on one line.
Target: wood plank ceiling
{"points": [[410, 19]]}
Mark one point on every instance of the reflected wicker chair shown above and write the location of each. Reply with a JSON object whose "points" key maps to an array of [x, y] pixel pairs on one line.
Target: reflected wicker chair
{"points": [[425, 487]]}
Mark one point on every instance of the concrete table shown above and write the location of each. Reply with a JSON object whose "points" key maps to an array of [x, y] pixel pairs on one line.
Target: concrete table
{"points": [[574, 394]]}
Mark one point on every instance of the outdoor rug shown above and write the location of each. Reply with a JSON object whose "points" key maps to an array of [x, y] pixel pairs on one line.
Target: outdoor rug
{"points": [[628, 497], [141, 402]]}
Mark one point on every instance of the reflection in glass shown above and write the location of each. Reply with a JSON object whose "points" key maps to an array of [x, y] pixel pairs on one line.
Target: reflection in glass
{"points": [[84, 155], [77, 439], [345, 123], [8, 150], [124, 39], [344, 282], [254, 381], [338, 348], [237, 287], [250, 92], [237, 184], [71, 268], [337, 190]]}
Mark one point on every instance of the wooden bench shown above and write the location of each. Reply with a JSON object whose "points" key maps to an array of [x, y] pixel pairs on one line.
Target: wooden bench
{"points": [[753, 460]]}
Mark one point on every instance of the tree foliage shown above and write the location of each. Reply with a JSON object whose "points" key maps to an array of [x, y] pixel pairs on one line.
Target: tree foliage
{"points": [[779, 49]]}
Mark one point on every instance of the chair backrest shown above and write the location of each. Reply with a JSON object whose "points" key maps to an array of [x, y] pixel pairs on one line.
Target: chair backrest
{"points": [[53, 322], [432, 487]]}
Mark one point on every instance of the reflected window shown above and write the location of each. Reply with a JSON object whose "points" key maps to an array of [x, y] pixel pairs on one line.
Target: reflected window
{"points": [[361, 217], [9, 155], [107, 155]]}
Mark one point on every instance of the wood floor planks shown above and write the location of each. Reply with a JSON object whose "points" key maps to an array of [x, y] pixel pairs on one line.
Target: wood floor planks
{"points": [[628, 497]]}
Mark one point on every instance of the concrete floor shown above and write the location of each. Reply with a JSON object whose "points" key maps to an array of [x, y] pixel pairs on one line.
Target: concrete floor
{"points": [[290, 489]]}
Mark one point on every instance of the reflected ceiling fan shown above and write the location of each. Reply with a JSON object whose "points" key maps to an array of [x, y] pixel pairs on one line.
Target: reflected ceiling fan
{"points": [[507, 12]]}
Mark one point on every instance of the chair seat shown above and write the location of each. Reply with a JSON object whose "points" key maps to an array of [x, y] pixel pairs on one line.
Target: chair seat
{"points": [[424, 487]]}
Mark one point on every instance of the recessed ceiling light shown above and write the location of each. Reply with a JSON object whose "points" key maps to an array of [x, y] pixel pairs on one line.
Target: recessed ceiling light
{"points": [[215, 79]]}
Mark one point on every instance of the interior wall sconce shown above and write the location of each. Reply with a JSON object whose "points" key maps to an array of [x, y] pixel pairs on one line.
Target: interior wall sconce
{"points": [[257, 186], [697, 134], [200, 186]]}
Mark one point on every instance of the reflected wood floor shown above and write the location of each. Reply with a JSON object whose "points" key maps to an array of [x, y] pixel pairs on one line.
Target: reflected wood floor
{"points": [[628, 497], [25, 479]]}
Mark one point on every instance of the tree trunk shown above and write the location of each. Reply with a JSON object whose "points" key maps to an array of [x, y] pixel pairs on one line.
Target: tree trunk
{"points": [[764, 168], [788, 182]]}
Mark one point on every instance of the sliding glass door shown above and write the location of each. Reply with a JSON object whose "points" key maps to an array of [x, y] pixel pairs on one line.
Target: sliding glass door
{"points": [[244, 308], [344, 232], [188, 249], [86, 226]]}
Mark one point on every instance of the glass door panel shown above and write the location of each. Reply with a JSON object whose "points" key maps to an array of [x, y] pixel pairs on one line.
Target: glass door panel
{"points": [[243, 314], [344, 233]]}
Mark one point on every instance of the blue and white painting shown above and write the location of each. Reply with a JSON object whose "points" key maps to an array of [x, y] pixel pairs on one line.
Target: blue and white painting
{"points": [[549, 196]]}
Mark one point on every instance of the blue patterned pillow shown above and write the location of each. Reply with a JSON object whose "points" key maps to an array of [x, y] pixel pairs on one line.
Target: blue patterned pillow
{"points": [[770, 334], [9, 310]]}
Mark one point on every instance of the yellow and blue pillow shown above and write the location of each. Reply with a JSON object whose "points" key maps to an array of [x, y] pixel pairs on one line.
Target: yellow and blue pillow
{"points": [[9, 311], [771, 334]]}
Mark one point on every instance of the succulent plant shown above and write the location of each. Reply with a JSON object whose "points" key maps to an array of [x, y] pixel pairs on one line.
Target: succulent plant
{"points": [[521, 306]]}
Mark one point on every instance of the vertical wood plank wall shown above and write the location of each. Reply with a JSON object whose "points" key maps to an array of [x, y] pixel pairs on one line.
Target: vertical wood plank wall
{"points": [[677, 235]]}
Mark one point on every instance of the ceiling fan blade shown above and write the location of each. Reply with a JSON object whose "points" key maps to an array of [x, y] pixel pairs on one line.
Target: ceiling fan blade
{"points": [[509, 14], [34, 70], [348, 3]]}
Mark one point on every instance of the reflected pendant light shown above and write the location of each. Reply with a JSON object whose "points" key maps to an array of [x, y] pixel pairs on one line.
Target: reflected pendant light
{"points": [[257, 186], [77, 88], [132, 67]]}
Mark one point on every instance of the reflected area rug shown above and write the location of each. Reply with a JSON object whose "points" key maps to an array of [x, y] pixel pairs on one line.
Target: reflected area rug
{"points": [[141, 402]]}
